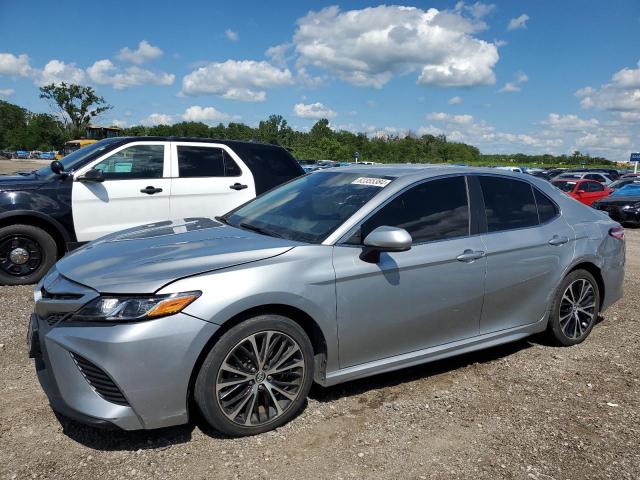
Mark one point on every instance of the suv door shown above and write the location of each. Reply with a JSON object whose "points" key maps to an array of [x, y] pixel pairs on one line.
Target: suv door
{"points": [[209, 180], [529, 245], [408, 301], [135, 190]]}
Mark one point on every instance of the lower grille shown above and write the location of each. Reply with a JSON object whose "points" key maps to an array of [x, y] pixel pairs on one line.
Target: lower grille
{"points": [[99, 381], [54, 318]]}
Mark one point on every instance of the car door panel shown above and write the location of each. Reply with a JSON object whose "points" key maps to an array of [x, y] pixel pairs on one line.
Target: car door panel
{"points": [[408, 301], [427, 296], [208, 196], [121, 201], [522, 262]]}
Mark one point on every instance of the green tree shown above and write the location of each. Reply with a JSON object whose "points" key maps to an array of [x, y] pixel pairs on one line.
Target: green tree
{"points": [[76, 105]]}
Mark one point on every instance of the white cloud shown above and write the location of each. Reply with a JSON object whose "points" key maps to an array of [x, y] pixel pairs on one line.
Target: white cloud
{"points": [[455, 100], [104, 72], [369, 47], [143, 53], [518, 22], [6, 92], [516, 85], [631, 117], [621, 94], [476, 10], [231, 35], [236, 80], [15, 66], [570, 123], [56, 71], [278, 54], [157, 119], [312, 110], [446, 117], [208, 115]]}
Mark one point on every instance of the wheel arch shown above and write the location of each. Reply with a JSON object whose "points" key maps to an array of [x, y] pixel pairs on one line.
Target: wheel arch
{"points": [[594, 270], [40, 220], [302, 318]]}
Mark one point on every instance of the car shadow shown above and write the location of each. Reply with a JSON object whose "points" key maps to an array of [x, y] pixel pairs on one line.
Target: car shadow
{"points": [[405, 375]]}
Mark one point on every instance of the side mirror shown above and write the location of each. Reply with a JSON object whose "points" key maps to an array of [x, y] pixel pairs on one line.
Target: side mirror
{"points": [[385, 239], [580, 192], [56, 167], [93, 175]]}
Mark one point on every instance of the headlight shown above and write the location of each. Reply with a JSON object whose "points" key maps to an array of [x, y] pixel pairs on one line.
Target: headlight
{"points": [[132, 309]]}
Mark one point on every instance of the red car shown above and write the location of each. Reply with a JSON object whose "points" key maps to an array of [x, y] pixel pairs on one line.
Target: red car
{"points": [[585, 191]]}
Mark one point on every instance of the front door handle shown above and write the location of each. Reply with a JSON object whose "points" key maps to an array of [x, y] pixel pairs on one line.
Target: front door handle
{"points": [[557, 240], [237, 186], [470, 255], [150, 190]]}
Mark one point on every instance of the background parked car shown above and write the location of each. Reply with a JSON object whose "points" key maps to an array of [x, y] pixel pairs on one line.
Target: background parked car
{"points": [[623, 182], [623, 205], [119, 183], [598, 177], [585, 191]]}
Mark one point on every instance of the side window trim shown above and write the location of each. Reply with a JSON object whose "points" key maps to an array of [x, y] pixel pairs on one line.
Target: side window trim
{"points": [[167, 167], [352, 231]]}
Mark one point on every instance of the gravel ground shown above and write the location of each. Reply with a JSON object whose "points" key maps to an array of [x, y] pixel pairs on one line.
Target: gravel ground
{"points": [[525, 410]]}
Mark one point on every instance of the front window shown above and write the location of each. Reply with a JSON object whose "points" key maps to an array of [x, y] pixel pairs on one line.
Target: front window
{"points": [[135, 162], [309, 208]]}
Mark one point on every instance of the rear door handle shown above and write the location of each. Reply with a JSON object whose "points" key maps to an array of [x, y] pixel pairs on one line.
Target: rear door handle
{"points": [[470, 255], [150, 190], [557, 240], [237, 186]]}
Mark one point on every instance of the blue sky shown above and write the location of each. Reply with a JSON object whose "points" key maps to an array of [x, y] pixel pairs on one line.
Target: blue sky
{"points": [[535, 76]]}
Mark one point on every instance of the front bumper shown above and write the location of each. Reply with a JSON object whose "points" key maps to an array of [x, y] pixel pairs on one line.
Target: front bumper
{"points": [[149, 362]]}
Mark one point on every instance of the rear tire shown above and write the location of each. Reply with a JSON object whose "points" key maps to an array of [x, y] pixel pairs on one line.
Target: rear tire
{"points": [[575, 309], [256, 377], [26, 254]]}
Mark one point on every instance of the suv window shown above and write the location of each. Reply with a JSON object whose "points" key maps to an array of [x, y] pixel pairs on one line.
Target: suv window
{"points": [[508, 203], [433, 210], [194, 161], [592, 187], [270, 165], [135, 162], [546, 208]]}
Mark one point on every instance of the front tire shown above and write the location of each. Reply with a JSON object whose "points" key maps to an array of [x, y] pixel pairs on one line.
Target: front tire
{"points": [[575, 309], [256, 377], [26, 254]]}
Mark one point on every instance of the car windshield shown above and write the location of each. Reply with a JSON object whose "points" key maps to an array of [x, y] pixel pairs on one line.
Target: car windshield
{"points": [[565, 186], [309, 208], [77, 158], [620, 183], [627, 191]]}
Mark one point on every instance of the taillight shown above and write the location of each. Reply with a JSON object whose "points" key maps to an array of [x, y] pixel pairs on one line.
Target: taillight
{"points": [[617, 232]]}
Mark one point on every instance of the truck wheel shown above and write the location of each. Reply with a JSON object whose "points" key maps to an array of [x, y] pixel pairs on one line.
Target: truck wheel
{"points": [[26, 254]]}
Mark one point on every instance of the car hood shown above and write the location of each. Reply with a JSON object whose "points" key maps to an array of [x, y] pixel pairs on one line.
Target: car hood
{"points": [[144, 259], [13, 182], [619, 200]]}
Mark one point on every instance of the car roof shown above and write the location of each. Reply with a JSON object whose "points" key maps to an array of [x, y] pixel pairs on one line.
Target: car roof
{"points": [[230, 143], [410, 172]]}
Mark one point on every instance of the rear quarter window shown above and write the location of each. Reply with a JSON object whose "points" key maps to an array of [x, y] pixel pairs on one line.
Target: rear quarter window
{"points": [[270, 165]]}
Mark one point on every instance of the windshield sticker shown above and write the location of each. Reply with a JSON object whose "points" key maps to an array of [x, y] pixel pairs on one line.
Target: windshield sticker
{"points": [[371, 181]]}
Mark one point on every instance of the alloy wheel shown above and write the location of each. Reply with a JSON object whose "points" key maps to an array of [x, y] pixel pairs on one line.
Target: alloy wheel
{"points": [[260, 378], [577, 308]]}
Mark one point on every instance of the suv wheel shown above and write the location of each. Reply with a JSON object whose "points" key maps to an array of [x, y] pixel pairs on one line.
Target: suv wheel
{"points": [[26, 254], [575, 308], [256, 377]]}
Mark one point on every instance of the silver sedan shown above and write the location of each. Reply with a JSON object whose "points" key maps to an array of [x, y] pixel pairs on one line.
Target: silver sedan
{"points": [[336, 275]]}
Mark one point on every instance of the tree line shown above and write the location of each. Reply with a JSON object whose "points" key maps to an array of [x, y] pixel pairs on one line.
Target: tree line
{"points": [[76, 107]]}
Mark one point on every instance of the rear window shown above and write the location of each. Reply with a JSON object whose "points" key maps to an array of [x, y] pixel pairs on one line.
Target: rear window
{"points": [[509, 204], [270, 165], [565, 186]]}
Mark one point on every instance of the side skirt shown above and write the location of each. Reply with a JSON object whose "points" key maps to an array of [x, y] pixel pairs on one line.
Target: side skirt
{"points": [[434, 353]]}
